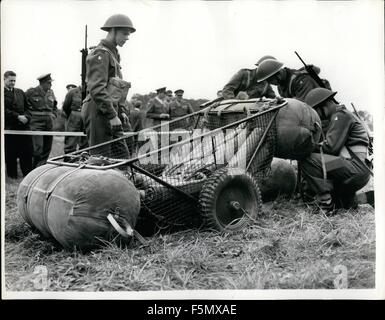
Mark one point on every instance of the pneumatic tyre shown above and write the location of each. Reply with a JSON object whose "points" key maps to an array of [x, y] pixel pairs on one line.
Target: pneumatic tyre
{"points": [[230, 198]]}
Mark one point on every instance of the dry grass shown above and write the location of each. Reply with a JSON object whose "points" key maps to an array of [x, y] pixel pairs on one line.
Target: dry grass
{"points": [[288, 247]]}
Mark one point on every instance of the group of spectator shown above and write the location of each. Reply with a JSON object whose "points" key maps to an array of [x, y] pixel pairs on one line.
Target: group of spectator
{"points": [[35, 109]]}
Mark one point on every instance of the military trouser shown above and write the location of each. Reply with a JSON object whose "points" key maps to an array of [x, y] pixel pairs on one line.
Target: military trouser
{"points": [[18, 146], [74, 123], [41, 144], [343, 176], [99, 130]]}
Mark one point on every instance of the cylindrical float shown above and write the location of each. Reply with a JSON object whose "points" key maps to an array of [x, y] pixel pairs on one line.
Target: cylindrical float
{"points": [[71, 205]]}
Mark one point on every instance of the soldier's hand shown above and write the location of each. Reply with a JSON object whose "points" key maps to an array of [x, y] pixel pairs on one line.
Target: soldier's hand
{"points": [[23, 119], [164, 116], [115, 122]]}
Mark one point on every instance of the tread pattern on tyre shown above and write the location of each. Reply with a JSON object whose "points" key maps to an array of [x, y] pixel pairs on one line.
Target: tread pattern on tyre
{"points": [[208, 194]]}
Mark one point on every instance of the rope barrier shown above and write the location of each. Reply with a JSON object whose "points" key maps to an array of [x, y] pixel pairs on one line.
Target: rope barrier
{"points": [[44, 133], [79, 133]]}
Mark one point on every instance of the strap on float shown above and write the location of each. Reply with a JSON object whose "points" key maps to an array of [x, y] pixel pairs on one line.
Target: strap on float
{"points": [[322, 154], [128, 231]]}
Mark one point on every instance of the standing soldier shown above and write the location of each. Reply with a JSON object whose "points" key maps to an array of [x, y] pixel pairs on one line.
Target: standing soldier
{"points": [[179, 107], [336, 174], [291, 83], [43, 108], [72, 107], [107, 91], [157, 109], [246, 80], [16, 117]]}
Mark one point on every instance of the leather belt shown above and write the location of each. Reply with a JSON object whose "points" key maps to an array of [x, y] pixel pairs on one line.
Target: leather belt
{"points": [[42, 113]]}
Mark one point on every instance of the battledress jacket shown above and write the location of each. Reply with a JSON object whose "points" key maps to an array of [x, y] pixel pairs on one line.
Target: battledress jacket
{"points": [[344, 130], [246, 80], [72, 101], [41, 102], [101, 67], [296, 84]]}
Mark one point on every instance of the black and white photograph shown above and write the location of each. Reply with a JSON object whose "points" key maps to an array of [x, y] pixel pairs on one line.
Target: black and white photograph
{"points": [[192, 150]]}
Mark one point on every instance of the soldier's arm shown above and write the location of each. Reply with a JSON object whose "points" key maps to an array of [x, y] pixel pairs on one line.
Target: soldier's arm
{"points": [[150, 111], [54, 107], [67, 104], [233, 86], [337, 133], [27, 106], [98, 65], [302, 85], [190, 108], [269, 92], [28, 96]]}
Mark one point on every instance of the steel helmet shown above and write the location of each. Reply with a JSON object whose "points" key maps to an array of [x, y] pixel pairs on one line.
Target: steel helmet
{"points": [[318, 95], [264, 58], [118, 21], [267, 68]]}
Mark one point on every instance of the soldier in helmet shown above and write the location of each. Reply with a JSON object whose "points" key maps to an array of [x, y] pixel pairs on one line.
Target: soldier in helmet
{"points": [[43, 108], [246, 80], [72, 107], [157, 108], [179, 107], [344, 148], [291, 83], [103, 104]]}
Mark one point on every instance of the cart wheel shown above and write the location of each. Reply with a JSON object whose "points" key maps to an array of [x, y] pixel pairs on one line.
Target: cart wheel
{"points": [[227, 198]]}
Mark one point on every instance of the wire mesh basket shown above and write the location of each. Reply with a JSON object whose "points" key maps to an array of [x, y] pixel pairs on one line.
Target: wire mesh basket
{"points": [[170, 163]]}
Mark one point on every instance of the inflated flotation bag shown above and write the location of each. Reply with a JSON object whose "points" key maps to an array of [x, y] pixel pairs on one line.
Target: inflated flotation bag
{"points": [[281, 181], [71, 204], [298, 130]]}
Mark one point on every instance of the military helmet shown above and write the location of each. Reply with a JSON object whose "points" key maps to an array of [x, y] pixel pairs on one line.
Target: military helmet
{"points": [[118, 21], [318, 95], [267, 68], [264, 58]]}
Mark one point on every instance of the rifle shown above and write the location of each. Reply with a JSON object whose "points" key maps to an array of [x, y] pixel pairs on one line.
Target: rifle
{"points": [[84, 52], [309, 69], [366, 129]]}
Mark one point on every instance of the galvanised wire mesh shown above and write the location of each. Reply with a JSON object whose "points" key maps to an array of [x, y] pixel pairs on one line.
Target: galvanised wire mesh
{"points": [[169, 163]]}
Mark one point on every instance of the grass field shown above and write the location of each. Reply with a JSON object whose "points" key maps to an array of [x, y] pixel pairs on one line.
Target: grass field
{"points": [[288, 247]]}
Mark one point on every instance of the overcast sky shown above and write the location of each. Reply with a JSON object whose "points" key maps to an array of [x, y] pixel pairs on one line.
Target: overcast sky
{"points": [[199, 45]]}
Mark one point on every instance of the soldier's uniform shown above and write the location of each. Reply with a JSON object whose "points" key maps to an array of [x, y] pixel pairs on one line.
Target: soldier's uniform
{"points": [[296, 84], [136, 116], [72, 107], [345, 174], [17, 146], [246, 80], [179, 108], [98, 107], [43, 110], [155, 108]]}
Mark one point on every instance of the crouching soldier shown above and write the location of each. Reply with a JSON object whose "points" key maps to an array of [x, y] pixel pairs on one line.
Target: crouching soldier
{"points": [[291, 83], [339, 170], [72, 107], [246, 80]]}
